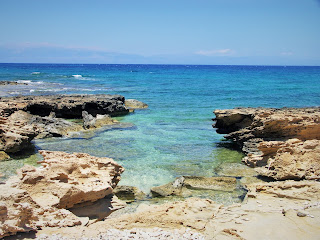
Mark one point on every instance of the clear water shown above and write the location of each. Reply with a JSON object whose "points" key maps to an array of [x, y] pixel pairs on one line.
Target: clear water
{"points": [[174, 136]]}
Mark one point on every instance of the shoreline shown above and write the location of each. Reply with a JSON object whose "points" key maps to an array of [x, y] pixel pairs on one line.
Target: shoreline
{"points": [[261, 199]]}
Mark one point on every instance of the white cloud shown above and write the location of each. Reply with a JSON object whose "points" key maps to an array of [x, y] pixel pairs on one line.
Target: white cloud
{"points": [[217, 52]]}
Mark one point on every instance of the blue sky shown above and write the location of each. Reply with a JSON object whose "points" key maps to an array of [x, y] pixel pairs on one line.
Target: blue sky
{"points": [[258, 32]]}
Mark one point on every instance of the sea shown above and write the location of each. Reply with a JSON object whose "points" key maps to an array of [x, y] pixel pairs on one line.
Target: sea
{"points": [[174, 136]]}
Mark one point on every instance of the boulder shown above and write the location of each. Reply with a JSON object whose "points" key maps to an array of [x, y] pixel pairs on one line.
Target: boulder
{"points": [[38, 197], [90, 122], [15, 133], [128, 193], [4, 156], [20, 213], [68, 179]]}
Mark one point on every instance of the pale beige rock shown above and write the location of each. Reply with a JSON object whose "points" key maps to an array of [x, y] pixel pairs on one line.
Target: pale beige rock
{"points": [[183, 186], [271, 214], [285, 143], [37, 197], [15, 133], [293, 159], [68, 179], [135, 104], [19, 213]]}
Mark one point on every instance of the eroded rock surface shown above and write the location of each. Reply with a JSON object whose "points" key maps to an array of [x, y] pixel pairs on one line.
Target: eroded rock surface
{"points": [[20, 213], [68, 179], [65, 106], [24, 118], [283, 142], [278, 210], [39, 197], [224, 189]]}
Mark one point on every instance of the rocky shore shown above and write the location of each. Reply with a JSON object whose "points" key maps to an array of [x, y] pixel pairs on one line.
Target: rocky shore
{"points": [[27, 117], [280, 145]]}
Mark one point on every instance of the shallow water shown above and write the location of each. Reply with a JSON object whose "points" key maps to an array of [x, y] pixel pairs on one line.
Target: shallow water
{"points": [[174, 136]]}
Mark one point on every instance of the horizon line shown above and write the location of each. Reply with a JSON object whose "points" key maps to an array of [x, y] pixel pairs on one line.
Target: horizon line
{"points": [[172, 64]]}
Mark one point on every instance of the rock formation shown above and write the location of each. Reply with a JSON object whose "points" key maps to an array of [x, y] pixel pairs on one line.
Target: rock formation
{"points": [[24, 118], [65, 106], [283, 142], [39, 197], [277, 210], [65, 180], [183, 185]]}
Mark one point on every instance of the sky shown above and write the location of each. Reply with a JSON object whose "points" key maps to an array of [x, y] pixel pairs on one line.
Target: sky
{"points": [[218, 32]]}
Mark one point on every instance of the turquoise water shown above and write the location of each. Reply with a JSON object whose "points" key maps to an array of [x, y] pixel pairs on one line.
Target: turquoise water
{"points": [[174, 136]]}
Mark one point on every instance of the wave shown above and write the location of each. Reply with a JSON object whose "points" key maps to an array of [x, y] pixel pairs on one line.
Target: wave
{"points": [[30, 82], [35, 73], [24, 81], [77, 76]]}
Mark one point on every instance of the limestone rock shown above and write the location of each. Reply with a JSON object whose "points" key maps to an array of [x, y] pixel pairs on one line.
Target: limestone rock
{"points": [[24, 118], [15, 133], [38, 197], [90, 122], [242, 124], [68, 179], [4, 156], [19, 213], [128, 193], [182, 186], [284, 143], [292, 159], [135, 104], [273, 210]]}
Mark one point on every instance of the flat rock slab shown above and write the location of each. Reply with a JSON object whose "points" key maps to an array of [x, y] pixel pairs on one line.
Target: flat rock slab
{"points": [[185, 185]]}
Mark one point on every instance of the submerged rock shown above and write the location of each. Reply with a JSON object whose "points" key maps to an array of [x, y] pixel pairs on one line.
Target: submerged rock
{"points": [[183, 186], [128, 193]]}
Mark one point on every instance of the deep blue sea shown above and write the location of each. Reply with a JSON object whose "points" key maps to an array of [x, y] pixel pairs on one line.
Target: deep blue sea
{"points": [[174, 136]]}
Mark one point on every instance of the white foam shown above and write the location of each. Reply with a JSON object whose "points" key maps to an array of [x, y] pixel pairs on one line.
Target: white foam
{"points": [[35, 73], [24, 81], [39, 82], [77, 76]]}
